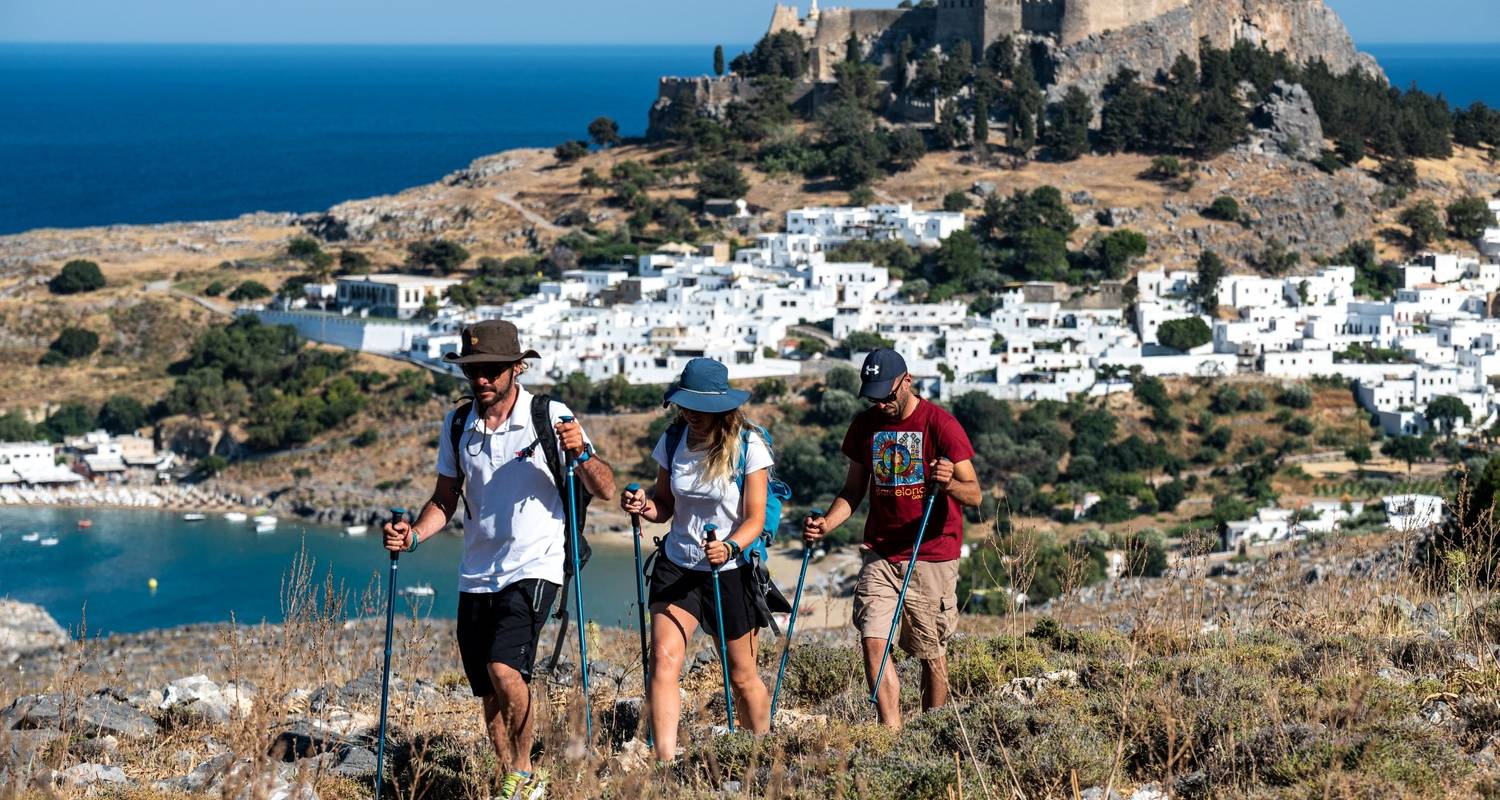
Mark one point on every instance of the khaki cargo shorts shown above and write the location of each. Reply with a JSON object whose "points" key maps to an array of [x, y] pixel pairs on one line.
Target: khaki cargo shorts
{"points": [[931, 610]]}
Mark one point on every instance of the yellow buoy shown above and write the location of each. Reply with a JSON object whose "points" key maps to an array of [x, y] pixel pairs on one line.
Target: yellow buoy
{"points": [[151, 584]]}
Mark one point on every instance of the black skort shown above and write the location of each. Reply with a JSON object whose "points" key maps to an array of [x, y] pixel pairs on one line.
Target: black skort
{"points": [[502, 628], [693, 591]]}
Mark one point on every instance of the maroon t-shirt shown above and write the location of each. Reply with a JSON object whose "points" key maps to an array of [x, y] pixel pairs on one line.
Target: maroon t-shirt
{"points": [[898, 455]]}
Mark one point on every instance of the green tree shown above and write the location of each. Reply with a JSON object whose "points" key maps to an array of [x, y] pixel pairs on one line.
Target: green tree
{"points": [[249, 292], [571, 150], [77, 276], [1067, 134], [439, 256], [1408, 449], [1360, 454], [719, 60], [958, 259], [844, 379], [1115, 252], [981, 120], [720, 179], [956, 201], [1468, 217], [70, 345], [122, 414], [1445, 412], [1184, 334], [1025, 103], [72, 419], [1425, 222], [353, 261], [1223, 208], [769, 390], [604, 132], [1211, 270], [15, 428], [1123, 117], [864, 341]]}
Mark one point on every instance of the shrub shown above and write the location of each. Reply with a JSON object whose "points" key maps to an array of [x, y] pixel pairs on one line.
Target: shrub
{"points": [[1184, 334], [122, 414], [70, 345], [366, 438], [72, 419], [215, 289], [864, 341], [249, 291], [571, 150], [1223, 208], [956, 201], [1298, 397], [816, 673], [843, 379], [77, 276]]}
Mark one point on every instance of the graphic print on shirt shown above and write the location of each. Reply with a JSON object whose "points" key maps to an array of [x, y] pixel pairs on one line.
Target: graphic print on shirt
{"points": [[897, 456]]}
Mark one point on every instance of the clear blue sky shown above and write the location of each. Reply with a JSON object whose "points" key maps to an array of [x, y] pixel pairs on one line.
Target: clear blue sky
{"points": [[549, 22]]}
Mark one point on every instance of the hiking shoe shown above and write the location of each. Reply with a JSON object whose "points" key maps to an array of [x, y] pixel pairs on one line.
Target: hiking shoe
{"points": [[510, 789], [536, 787]]}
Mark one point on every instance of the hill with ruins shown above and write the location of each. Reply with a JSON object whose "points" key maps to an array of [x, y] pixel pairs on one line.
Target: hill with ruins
{"points": [[1079, 43]]}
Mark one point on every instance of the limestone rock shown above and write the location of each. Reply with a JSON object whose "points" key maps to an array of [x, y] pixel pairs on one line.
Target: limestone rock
{"points": [[200, 697], [1025, 691], [27, 629], [100, 713], [83, 776], [1290, 120]]}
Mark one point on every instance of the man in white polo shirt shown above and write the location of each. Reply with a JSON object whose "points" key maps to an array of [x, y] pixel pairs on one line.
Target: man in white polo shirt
{"points": [[515, 528]]}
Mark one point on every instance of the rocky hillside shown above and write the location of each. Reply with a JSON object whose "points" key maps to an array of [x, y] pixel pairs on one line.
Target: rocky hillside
{"points": [[1323, 671]]}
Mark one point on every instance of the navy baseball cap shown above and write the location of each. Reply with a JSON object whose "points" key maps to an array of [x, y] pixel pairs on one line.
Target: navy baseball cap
{"points": [[879, 374]]}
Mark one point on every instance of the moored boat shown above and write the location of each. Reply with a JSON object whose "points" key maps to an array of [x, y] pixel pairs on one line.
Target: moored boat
{"points": [[236, 516]]}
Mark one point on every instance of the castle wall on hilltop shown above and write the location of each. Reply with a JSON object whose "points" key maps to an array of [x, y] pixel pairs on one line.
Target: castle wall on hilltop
{"points": [[875, 27]]}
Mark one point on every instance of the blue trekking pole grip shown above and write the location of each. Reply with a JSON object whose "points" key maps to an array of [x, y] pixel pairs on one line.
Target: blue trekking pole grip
{"points": [[583, 643], [398, 515], [640, 588], [708, 534], [791, 625], [911, 567]]}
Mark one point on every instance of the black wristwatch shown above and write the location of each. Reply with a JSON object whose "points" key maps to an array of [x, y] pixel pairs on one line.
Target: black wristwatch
{"points": [[734, 549]]}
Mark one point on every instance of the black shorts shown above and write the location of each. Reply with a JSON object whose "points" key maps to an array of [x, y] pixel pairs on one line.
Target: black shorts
{"points": [[693, 591], [502, 628]]}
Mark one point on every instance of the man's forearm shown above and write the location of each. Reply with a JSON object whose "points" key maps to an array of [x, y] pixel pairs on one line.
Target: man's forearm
{"points": [[434, 518], [598, 477], [967, 493]]}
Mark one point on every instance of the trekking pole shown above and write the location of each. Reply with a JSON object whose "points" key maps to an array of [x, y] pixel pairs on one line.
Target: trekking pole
{"points": [[398, 515], [640, 598], [911, 567], [583, 643], [791, 626], [708, 532]]}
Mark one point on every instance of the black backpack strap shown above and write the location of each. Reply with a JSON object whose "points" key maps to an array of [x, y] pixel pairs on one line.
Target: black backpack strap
{"points": [[457, 424]]}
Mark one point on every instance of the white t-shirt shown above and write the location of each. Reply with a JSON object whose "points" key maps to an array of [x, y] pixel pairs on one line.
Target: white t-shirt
{"points": [[700, 503], [517, 523]]}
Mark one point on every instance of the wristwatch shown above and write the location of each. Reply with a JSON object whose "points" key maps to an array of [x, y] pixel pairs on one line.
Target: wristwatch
{"points": [[734, 549]]}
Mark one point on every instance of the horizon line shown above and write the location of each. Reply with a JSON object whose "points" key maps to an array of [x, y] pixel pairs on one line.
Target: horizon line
{"points": [[212, 43]]}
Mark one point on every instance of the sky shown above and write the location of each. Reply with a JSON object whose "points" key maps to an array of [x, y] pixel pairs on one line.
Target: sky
{"points": [[572, 21]]}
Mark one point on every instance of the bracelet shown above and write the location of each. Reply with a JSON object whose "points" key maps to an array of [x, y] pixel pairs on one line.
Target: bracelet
{"points": [[415, 540], [734, 549]]}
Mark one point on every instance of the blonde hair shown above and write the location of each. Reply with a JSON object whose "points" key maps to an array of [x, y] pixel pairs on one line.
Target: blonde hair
{"points": [[723, 443]]}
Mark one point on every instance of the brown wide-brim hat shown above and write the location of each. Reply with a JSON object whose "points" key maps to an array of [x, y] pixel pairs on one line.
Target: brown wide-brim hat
{"points": [[493, 341]]}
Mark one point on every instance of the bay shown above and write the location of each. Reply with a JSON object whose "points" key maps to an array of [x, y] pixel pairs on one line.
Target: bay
{"points": [[207, 571]]}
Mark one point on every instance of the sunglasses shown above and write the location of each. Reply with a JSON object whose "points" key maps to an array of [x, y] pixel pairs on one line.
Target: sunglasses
{"points": [[486, 371], [888, 399]]}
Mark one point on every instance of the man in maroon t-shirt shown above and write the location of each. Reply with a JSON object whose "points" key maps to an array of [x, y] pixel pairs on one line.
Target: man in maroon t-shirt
{"points": [[899, 450]]}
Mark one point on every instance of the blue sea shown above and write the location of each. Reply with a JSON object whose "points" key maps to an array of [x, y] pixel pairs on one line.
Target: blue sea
{"points": [[102, 134]]}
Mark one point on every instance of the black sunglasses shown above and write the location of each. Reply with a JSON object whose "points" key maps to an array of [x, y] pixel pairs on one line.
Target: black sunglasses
{"points": [[490, 371], [889, 399]]}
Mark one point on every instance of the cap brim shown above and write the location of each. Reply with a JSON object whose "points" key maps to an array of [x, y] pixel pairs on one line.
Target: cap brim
{"points": [[487, 358], [878, 390], [708, 403]]}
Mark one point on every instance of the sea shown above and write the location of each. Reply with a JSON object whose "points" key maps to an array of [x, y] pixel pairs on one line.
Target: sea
{"points": [[98, 580], [104, 134]]}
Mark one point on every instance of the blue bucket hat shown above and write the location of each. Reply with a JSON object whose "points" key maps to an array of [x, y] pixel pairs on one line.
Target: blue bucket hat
{"points": [[704, 386]]}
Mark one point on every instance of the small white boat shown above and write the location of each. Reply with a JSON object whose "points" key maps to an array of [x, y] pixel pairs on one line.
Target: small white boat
{"points": [[420, 590], [263, 528], [50, 541], [235, 516], [193, 517], [265, 519], [31, 537], [357, 530]]}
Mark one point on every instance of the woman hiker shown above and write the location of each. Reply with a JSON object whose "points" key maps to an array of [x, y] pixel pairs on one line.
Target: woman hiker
{"points": [[697, 485]]}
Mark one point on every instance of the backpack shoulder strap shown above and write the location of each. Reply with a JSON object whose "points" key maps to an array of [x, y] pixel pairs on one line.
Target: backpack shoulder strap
{"points": [[675, 432], [457, 424], [546, 436]]}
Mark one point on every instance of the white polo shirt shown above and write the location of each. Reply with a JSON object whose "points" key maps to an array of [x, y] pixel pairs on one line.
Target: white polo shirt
{"points": [[517, 523]]}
